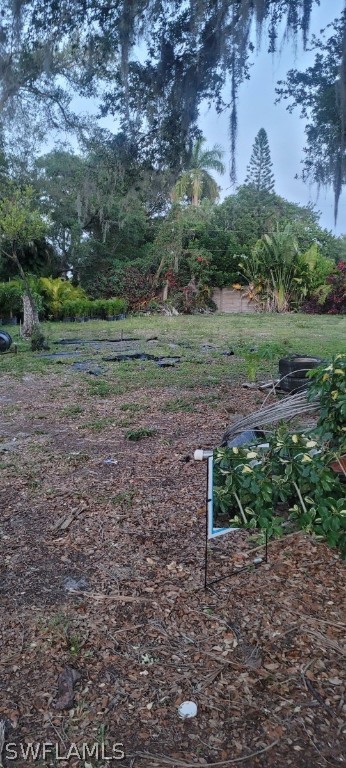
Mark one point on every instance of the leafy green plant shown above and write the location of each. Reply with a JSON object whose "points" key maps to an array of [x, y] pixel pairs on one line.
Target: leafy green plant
{"points": [[328, 383], [249, 484], [295, 469], [10, 299], [55, 293]]}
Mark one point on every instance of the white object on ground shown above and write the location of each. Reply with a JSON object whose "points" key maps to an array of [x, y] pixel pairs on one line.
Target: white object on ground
{"points": [[187, 709], [199, 454]]}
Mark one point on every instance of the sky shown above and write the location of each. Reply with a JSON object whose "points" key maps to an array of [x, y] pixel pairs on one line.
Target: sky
{"points": [[256, 109]]}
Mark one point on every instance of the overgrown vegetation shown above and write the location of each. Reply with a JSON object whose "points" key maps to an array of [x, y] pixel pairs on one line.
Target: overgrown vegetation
{"points": [[296, 470]]}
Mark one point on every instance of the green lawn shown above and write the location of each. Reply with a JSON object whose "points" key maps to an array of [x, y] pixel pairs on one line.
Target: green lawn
{"points": [[257, 340], [271, 336]]}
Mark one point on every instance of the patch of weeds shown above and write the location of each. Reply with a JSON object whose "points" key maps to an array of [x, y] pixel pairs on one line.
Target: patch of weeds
{"points": [[133, 407], [100, 388], [98, 425], [74, 644], [38, 340], [5, 465], [32, 483], [76, 458], [72, 410], [139, 434], [125, 422], [60, 621], [177, 405], [124, 499], [167, 441]]}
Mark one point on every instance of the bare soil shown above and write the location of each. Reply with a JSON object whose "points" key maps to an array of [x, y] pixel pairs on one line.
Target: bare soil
{"points": [[260, 653]]}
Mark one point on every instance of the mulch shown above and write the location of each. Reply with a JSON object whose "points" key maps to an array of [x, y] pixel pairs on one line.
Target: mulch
{"points": [[261, 653]]}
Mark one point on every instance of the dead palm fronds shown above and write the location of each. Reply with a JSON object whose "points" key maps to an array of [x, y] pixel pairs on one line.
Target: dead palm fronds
{"points": [[286, 409]]}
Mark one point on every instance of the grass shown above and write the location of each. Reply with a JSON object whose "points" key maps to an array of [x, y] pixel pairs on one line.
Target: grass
{"points": [[139, 434], [98, 425], [257, 341], [72, 410]]}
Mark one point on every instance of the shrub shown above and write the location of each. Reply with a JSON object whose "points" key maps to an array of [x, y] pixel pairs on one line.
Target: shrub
{"points": [[100, 308], [10, 299], [329, 298], [117, 306], [37, 340], [68, 309], [295, 470], [55, 293]]}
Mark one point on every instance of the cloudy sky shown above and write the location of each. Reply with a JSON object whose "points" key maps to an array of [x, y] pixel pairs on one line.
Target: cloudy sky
{"points": [[256, 109]]}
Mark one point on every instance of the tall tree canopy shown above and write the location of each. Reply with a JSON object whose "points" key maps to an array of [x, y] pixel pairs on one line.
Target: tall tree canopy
{"points": [[259, 172], [320, 94], [188, 52]]}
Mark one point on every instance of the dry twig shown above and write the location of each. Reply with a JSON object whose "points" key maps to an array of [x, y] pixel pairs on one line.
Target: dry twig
{"points": [[180, 764]]}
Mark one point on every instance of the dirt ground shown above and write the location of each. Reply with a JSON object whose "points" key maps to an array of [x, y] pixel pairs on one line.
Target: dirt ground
{"points": [[101, 571]]}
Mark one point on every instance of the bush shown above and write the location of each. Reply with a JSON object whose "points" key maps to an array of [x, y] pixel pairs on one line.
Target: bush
{"points": [[103, 308], [38, 341], [329, 298], [10, 299], [295, 470], [55, 293], [117, 306]]}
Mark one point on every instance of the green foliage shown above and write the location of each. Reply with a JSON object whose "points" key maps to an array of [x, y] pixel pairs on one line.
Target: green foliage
{"points": [[10, 299], [259, 172], [55, 293], [295, 470], [11, 295], [319, 93], [191, 51], [329, 385], [139, 434], [280, 277], [100, 308], [20, 221], [196, 182], [37, 340], [236, 225]]}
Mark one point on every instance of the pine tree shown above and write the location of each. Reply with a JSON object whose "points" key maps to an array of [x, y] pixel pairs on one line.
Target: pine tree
{"points": [[259, 171]]}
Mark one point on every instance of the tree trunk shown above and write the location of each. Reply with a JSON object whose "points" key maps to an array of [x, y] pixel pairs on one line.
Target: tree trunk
{"points": [[30, 315], [30, 311], [165, 291]]}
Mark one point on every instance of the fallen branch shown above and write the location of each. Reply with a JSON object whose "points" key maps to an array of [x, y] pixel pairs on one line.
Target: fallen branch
{"points": [[121, 598], [180, 764]]}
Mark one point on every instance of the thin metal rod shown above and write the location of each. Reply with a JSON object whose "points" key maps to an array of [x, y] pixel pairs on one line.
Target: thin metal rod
{"points": [[206, 531]]}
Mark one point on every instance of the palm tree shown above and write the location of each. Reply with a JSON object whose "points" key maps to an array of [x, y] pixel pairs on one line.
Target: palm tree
{"points": [[196, 182]]}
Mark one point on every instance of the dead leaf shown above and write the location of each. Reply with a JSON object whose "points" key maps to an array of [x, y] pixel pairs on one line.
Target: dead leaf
{"points": [[66, 682]]}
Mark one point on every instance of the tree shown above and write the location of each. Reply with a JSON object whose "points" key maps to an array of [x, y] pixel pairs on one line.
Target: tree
{"points": [[259, 171], [178, 241], [242, 219], [196, 182], [319, 93], [21, 225], [195, 51]]}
